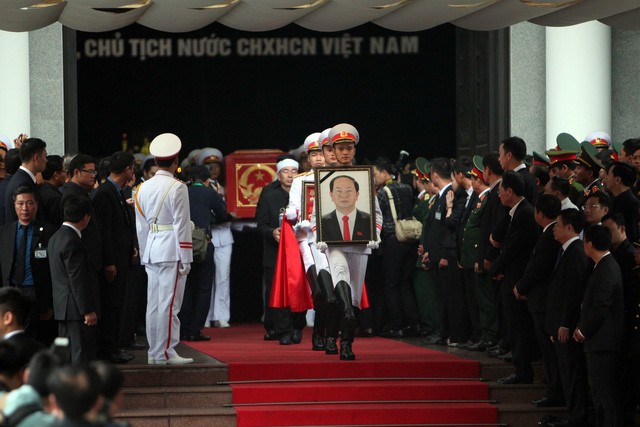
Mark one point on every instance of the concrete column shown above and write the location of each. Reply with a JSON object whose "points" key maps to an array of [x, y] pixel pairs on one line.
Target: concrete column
{"points": [[14, 84], [578, 71]]}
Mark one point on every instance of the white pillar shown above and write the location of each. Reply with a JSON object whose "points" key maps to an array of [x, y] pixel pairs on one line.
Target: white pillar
{"points": [[578, 73], [14, 84]]}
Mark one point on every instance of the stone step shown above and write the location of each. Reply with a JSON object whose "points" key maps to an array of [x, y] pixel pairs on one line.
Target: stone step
{"points": [[520, 415], [176, 397], [191, 417], [168, 376], [516, 393]]}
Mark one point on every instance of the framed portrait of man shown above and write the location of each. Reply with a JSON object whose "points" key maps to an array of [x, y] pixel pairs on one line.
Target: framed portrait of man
{"points": [[308, 199], [345, 213]]}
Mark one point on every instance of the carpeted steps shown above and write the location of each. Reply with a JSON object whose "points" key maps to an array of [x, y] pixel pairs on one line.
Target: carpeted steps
{"points": [[390, 383]]}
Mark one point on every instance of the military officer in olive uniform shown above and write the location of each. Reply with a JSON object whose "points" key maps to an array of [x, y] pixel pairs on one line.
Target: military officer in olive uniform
{"points": [[562, 163]]}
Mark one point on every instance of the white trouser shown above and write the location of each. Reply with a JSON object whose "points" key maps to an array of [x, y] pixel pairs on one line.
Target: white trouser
{"points": [[350, 267], [165, 290], [220, 297]]}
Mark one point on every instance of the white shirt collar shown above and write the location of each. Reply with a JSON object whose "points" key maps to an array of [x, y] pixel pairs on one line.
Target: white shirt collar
{"points": [[513, 209], [483, 191], [33, 177], [520, 166], [568, 242], [12, 333], [441, 192], [566, 203], [494, 183], [548, 225], [74, 228]]}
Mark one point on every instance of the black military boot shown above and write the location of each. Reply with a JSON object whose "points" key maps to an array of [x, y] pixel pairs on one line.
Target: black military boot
{"points": [[347, 319], [330, 312], [318, 337]]}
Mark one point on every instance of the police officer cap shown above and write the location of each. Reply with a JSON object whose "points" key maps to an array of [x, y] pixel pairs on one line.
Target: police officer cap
{"points": [[323, 139], [343, 132], [209, 154], [165, 146], [311, 142]]}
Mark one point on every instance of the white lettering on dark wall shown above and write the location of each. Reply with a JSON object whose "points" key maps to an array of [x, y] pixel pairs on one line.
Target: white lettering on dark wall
{"points": [[213, 46]]}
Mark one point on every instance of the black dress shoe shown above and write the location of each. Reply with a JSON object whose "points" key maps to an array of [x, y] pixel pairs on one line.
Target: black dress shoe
{"points": [[546, 419], [515, 379], [412, 331], [345, 351], [296, 337], [435, 340], [286, 339], [479, 346], [392, 333], [330, 346], [199, 337], [136, 346], [271, 336], [497, 352], [546, 402], [317, 342]]}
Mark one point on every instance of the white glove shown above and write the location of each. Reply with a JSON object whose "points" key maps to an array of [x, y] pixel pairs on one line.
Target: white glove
{"points": [[184, 269], [291, 213], [373, 244], [304, 225], [321, 246]]}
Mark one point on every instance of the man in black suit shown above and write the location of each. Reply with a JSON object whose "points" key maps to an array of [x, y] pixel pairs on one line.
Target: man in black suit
{"points": [[118, 236], [11, 164], [439, 243], [508, 267], [33, 156], [563, 311], [344, 192], [54, 177], [26, 264], [618, 181], [14, 309], [75, 286], [512, 152], [533, 287], [601, 327]]}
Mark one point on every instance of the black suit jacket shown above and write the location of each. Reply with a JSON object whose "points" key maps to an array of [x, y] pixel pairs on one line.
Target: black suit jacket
{"points": [[26, 345], [92, 235], [534, 283], [50, 197], [567, 289], [530, 188], [270, 205], [330, 228], [629, 206], [117, 224], [39, 266], [493, 212], [518, 244], [19, 179], [602, 316], [439, 238], [75, 286]]}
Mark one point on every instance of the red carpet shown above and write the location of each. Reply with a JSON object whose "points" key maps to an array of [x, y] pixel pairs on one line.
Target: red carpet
{"points": [[390, 383]]}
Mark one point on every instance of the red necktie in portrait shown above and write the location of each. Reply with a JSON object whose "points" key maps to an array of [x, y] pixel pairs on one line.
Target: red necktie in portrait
{"points": [[345, 224]]}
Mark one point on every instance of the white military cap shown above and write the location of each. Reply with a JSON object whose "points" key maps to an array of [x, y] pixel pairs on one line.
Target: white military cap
{"points": [[193, 155], [209, 154], [165, 146], [599, 139], [4, 140], [343, 132], [323, 139], [311, 142], [139, 156]]}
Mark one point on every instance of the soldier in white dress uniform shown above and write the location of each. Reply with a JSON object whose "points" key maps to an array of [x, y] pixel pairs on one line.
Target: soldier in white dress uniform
{"points": [[164, 233], [348, 264], [325, 327]]}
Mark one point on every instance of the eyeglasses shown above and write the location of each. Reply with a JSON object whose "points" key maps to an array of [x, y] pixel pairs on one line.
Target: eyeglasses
{"points": [[585, 207], [90, 171]]}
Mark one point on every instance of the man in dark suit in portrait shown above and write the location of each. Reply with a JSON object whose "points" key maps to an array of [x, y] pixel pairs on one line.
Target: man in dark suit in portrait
{"points": [[601, 327], [509, 266], [33, 156], [75, 287], [25, 264], [346, 222]]}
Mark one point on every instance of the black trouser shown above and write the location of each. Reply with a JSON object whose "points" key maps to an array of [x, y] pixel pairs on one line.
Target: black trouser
{"points": [[197, 295], [135, 296], [470, 288], [397, 260], [548, 353], [573, 373], [604, 381], [112, 301], [44, 331], [82, 340], [282, 321], [455, 318], [520, 330]]}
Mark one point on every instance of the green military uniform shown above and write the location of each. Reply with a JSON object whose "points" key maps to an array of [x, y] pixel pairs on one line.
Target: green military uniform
{"points": [[576, 190], [422, 207], [424, 284]]}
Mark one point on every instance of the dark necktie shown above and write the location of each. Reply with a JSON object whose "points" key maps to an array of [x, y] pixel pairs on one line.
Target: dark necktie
{"points": [[18, 274], [345, 225], [558, 259]]}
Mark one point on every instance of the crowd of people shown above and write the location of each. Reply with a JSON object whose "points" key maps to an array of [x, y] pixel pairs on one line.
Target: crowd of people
{"points": [[524, 257]]}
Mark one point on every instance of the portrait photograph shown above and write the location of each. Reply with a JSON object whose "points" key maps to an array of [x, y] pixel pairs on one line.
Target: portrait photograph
{"points": [[345, 213], [308, 199]]}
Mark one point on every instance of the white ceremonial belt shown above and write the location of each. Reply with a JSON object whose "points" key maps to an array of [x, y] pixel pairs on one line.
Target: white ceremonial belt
{"points": [[156, 228]]}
